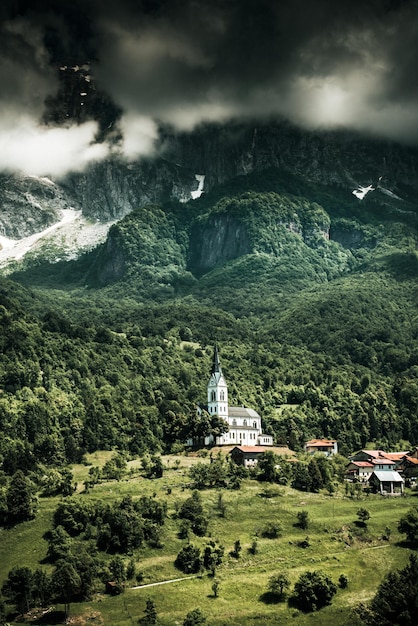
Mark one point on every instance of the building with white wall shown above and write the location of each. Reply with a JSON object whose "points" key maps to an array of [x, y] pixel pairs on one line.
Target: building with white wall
{"points": [[244, 424]]}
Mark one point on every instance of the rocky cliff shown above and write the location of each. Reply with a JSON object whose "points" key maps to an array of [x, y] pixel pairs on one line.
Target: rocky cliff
{"points": [[113, 188], [29, 204]]}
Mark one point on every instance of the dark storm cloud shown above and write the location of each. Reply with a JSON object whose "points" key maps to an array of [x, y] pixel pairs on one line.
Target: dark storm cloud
{"points": [[318, 63]]}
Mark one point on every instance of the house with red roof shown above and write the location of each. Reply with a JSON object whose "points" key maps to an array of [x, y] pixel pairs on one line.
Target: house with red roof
{"points": [[328, 447], [408, 465], [246, 455], [378, 469], [359, 471]]}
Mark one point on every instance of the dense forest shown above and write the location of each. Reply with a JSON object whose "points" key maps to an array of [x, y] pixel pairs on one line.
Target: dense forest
{"points": [[314, 313]]}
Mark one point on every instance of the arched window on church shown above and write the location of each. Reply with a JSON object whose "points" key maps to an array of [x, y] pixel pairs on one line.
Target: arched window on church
{"points": [[213, 396], [245, 422], [254, 424], [222, 396]]}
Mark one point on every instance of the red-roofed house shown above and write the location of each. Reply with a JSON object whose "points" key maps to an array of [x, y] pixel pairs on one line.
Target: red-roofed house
{"points": [[246, 455], [409, 466], [360, 471], [367, 455], [328, 447]]}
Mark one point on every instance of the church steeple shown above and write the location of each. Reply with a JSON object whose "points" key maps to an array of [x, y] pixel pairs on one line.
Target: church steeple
{"points": [[217, 389], [216, 365]]}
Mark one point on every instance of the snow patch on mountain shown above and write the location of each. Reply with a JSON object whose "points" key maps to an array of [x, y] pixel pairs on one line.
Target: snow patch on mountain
{"points": [[64, 240], [198, 192]]}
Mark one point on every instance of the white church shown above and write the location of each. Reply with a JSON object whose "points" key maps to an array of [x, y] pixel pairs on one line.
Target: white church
{"points": [[244, 423]]}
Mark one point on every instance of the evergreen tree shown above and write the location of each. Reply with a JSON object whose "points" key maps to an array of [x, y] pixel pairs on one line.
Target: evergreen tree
{"points": [[396, 600], [408, 525], [301, 477], [150, 614], [20, 498], [317, 481], [266, 466]]}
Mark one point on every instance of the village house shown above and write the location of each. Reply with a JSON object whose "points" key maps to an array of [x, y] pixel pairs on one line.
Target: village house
{"points": [[378, 469], [327, 447], [244, 424], [408, 466], [387, 483], [247, 456]]}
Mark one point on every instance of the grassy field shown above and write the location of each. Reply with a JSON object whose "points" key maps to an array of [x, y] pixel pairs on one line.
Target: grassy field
{"points": [[337, 546]]}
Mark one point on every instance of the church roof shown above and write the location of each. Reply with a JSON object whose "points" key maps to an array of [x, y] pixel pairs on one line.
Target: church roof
{"points": [[242, 411]]}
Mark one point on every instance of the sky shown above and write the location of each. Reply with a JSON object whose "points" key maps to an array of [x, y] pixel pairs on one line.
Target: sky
{"points": [[318, 63]]}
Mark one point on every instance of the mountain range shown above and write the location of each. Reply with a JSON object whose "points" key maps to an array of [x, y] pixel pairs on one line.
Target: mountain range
{"points": [[247, 236]]}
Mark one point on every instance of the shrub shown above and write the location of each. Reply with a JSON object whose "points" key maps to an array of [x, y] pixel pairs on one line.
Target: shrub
{"points": [[408, 525], [303, 519], [189, 559], [343, 581], [278, 584], [363, 515], [194, 618], [313, 590], [271, 530]]}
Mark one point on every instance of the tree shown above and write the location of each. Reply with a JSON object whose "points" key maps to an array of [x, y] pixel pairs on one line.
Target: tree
{"points": [[150, 614], [313, 590], [396, 600], [20, 498], [189, 559], [343, 581], [267, 467], [279, 583], [236, 552], [194, 618], [117, 569], [192, 510], [59, 543], [18, 588], [66, 584], [408, 525], [301, 477], [272, 530], [363, 515], [303, 519], [215, 587], [212, 556], [317, 481]]}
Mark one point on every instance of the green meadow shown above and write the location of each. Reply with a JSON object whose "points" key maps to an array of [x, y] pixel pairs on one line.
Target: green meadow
{"points": [[337, 545]]}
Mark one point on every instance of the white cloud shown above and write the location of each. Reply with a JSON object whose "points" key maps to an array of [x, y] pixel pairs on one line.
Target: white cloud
{"points": [[32, 149], [139, 135]]}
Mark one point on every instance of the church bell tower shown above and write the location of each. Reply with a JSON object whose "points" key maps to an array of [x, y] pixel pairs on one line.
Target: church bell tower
{"points": [[217, 389]]}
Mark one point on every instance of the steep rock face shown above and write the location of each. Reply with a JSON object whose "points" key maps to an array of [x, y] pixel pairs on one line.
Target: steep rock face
{"points": [[28, 205], [329, 157], [216, 241], [262, 223], [351, 235], [114, 188], [112, 265]]}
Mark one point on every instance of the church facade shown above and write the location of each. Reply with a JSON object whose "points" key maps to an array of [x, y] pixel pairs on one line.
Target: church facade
{"points": [[244, 424]]}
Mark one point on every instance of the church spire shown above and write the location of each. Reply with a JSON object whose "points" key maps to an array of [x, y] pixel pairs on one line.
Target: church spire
{"points": [[217, 389], [216, 365]]}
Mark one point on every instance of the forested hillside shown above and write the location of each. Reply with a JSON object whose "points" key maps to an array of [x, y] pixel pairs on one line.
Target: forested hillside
{"points": [[314, 310]]}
